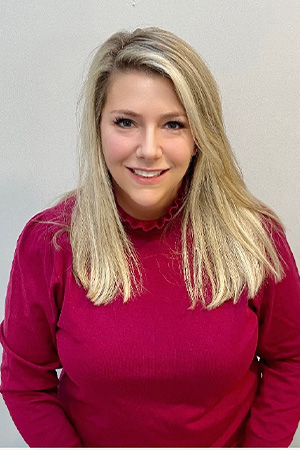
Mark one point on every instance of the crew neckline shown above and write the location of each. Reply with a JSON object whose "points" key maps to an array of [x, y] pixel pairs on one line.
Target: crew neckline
{"points": [[160, 222]]}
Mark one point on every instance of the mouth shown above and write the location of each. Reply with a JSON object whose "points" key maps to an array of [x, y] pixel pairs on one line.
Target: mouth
{"points": [[147, 173]]}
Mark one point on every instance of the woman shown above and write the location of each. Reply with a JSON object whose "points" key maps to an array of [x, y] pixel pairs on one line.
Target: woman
{"points": [[166, 292]]}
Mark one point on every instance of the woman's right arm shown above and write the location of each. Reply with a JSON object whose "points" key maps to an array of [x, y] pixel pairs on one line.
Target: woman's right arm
{"points": [[28, 336]]}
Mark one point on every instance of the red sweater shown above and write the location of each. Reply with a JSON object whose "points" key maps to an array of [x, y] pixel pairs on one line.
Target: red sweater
{"points": [[151, 372]]}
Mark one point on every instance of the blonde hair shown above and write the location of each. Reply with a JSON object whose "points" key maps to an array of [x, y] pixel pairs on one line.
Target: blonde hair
{"points": [[224, 232]]}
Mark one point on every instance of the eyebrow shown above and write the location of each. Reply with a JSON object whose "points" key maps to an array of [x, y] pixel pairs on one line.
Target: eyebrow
{"points": [[128, 112]]}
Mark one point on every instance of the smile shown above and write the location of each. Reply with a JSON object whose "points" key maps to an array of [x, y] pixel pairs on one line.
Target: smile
{"points": [[147, 177], [148, 173], [142, 173]]}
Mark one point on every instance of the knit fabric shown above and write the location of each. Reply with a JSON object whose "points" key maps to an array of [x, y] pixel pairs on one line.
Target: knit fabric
{"points": [[150, 372]]}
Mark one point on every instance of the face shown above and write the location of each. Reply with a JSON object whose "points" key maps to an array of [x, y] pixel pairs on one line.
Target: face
{"points": [[146, 142]]}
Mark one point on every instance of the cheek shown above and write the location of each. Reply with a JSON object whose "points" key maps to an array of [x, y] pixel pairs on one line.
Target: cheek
{"points": [[181, 156], [115, 148]]}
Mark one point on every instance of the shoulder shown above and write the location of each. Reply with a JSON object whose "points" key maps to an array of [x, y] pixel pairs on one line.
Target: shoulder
{"points": [[274, 228], [277, 234], [59, 214], [278, 296], [47, 225], [290, 275]]}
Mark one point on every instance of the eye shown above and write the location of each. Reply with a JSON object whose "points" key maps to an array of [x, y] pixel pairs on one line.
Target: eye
{"points": [[174, 125], [123, 122]]}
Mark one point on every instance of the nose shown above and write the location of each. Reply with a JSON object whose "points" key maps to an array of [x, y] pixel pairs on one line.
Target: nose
{"points": [[150, 146]]}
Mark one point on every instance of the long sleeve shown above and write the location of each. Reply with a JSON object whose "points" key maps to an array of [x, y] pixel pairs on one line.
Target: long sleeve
{"points": [[275, 414], [28, 336]]}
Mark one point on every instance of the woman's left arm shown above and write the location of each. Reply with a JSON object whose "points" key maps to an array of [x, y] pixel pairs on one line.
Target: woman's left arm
{"points": [[275, 413]]}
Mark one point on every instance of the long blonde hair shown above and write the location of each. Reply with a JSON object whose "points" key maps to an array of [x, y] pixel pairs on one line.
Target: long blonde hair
{"points": [[224, 232]]}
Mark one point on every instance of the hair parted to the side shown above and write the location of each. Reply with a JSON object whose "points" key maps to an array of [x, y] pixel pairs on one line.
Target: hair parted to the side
{"points": [[223, 228]]}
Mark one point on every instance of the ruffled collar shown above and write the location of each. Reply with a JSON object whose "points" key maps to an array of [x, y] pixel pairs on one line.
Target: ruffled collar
{"points": [[148, 225]]}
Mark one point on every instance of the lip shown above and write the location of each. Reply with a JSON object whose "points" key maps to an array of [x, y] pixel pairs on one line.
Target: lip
{"points": [[143, 180], [146, 170]]}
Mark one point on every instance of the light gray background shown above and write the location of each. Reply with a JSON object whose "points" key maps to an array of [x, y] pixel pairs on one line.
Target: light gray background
{"points": [[251, 46]]}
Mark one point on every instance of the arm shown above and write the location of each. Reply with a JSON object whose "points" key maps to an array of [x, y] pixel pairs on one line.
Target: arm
{"points": [[275, 414], [28, 336]]}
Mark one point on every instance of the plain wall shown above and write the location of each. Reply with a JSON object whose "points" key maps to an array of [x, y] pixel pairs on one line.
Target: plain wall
{"points": [[251, 46]]}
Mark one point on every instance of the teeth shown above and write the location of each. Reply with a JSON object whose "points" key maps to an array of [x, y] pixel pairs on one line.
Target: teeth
{"points": [[147, 174]]}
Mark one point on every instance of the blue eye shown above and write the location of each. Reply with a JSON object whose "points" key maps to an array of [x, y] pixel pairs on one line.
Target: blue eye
{"points": [[123, 123], [174, 125]]}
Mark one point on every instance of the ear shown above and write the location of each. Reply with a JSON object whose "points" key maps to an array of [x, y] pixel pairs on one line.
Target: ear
{"points": [[195, 150]]}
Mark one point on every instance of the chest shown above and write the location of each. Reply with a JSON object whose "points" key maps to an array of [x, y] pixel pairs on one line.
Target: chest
{"points": [[154, 340]]}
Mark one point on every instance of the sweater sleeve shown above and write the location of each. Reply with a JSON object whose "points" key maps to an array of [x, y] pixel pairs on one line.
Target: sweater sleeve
{"points": [[275, 414], [28, 336]]}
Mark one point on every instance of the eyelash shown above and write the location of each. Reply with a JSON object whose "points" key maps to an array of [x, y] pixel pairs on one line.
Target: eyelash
{"points": [[178, 124], [118, 121]]}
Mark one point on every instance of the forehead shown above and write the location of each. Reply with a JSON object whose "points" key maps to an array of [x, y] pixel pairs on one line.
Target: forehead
{"points": [[141, 88]]}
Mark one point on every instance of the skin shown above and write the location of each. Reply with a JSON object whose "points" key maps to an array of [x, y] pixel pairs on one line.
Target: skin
{"points": [[144, 126]]}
